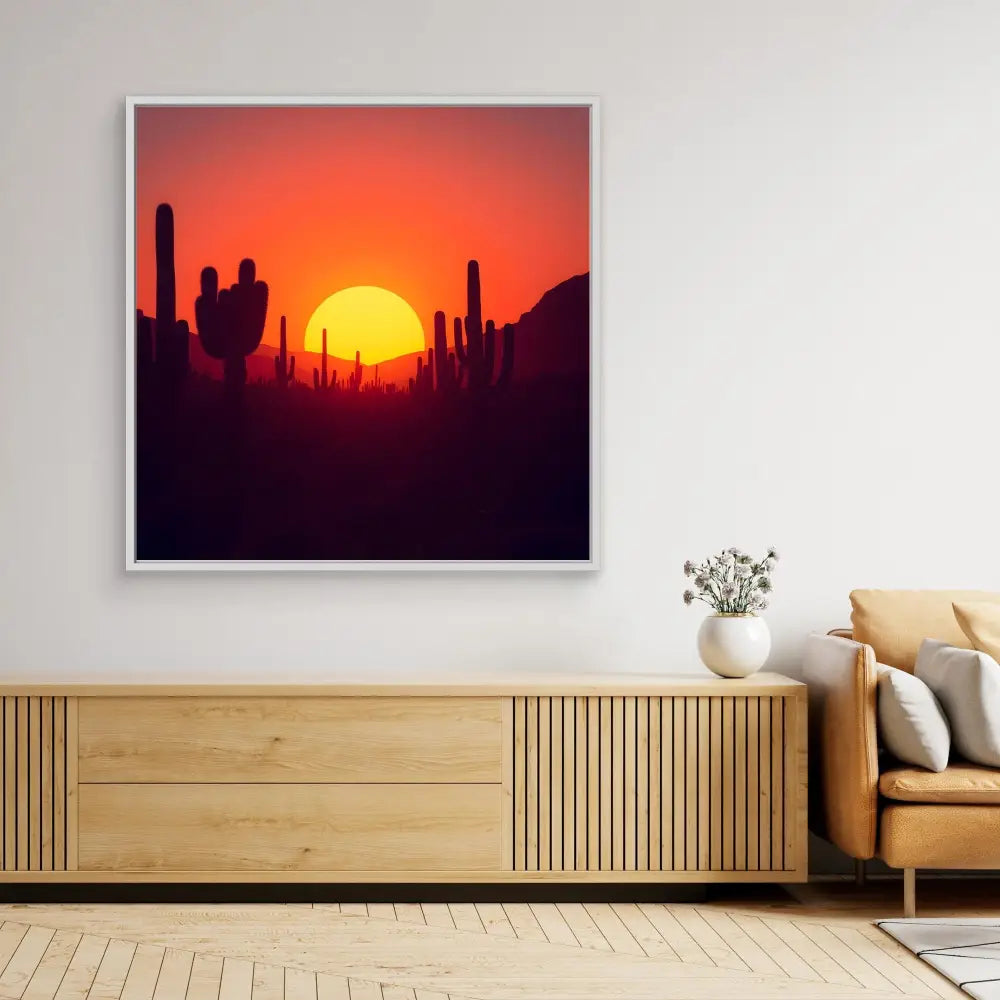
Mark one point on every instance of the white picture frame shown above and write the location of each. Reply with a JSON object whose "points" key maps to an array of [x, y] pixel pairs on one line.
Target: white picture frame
{"points": [[134, 564]]}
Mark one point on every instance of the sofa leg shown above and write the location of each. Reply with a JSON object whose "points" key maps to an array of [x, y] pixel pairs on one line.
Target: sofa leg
{"points": [[909, 892], [860, 872]]}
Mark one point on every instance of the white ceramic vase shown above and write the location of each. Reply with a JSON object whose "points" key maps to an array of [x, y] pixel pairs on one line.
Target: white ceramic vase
{"points": [[732, 645]]}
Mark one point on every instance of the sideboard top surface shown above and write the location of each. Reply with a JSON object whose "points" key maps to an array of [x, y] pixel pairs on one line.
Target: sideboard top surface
{"points": [[514, 684]]}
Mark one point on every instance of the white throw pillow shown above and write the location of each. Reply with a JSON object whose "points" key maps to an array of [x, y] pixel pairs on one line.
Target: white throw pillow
{"points": [[967, 683], [911, 722]]}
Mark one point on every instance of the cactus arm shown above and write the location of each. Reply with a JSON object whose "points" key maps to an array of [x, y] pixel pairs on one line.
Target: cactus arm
{"points": [[507, 362]]}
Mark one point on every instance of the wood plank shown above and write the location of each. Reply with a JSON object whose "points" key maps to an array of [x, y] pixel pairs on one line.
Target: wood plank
{"points": [[531, 785], [680, 784], [555, 795], [618, 755], [694, 921], [882, 962], [237, 980], [437, 915], [354, 909], [614, 931], [46, 978], [363, 989], [655, 756], [72, 785], [593, 784], [83, 968], [206, 980], [285, 827], [409, 913], [522, 919], [508, 807], [753, 784], [495, 920], [716, 754], [544, 784], [645, 934], [59, 785], [553, 924], [520, 785], [582, 924], [382, 911], [10, 783], [704, 827], [11, 933], [810, 952], [606, 843], [777, 783], [140, 983], [740, 785], [775, 947], [290, 739], [300, 984], [569, 783], [630, 798], [332, 987], [764, 834], [34, 814], [466, 917], [22, 964], [674, 934], [728, 791], [175, 974], [24, 823], [869, 977], [113, 970], [691, 760], [390, 991], [796, 787], [642, 783], [45, 783], [666, 784], [581, 818]]}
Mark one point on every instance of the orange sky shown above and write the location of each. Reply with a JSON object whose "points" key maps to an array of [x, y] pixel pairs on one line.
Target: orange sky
{"points": [[329, 197]]}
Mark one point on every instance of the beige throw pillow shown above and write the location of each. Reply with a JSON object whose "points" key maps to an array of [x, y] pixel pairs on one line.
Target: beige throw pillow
{"points": [[980, 621]]}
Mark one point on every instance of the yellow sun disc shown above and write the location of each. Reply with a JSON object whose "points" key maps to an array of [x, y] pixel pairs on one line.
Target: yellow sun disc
{"points": [[372, 320]]}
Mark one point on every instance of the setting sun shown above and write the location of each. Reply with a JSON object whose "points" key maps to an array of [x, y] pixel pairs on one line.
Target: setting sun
{"points": [[372, 320]]}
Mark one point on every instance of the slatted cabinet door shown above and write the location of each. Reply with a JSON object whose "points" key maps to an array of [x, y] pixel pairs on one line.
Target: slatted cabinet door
{"points": [[689, 785], [39, 784]]}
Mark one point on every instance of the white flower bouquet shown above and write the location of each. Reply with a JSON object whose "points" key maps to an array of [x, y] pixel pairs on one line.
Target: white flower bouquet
{"points": [[732, 582]]}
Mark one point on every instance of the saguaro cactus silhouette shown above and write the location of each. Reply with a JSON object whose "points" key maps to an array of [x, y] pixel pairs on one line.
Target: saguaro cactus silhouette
{"points": [[172, 347], [231, 321], [477, 355], [442, 373], [284, 370]]}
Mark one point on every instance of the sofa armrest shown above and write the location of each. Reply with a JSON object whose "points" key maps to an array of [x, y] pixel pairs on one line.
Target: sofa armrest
{"points": [[843, 752], [843, 633]]}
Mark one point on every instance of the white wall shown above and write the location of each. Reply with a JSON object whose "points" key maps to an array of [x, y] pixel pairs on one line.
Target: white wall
{"points": [[801, 209]]}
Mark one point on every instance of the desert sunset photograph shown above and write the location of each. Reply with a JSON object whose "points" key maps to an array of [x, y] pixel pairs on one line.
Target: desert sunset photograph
{"points": [[362, 333]]}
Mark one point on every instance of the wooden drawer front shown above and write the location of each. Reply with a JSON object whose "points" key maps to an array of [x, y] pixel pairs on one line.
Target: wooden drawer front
{"points": [[289, 827], [656, 784], [202, 739]]}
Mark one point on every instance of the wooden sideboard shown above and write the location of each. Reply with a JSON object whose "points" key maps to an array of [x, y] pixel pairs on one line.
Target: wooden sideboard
{"points": [[567, 778]]}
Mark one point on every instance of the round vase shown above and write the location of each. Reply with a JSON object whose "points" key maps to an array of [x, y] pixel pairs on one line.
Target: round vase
{"points": [[733, 645]]}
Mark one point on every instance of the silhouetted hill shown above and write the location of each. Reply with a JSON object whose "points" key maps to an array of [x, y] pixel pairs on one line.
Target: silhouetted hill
{"points": [[553, 337]]}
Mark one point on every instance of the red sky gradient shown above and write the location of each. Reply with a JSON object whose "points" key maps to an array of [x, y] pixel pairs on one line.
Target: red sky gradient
{"points": [[323, 198]]}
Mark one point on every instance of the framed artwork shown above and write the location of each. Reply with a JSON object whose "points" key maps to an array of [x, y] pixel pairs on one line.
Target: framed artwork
{"points": [[361, 334]]}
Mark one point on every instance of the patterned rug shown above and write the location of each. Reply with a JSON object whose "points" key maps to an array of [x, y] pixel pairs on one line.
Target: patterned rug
{"points": [[966, 950]]}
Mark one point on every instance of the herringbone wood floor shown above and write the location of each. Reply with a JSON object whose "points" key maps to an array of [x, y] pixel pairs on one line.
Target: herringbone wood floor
{"points": [[819, 945]]}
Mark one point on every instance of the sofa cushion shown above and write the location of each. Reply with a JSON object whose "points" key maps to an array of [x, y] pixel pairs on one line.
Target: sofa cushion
{"points": [[967, 684], [895, 622], [911, 723], [980, 621], [960, 783]]}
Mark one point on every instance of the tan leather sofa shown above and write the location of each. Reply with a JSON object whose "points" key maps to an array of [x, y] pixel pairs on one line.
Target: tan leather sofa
{"points": [[865, 803]]}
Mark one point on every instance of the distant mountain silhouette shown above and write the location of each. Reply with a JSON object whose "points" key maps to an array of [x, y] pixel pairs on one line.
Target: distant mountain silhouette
{"points": [[553, 338]]}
